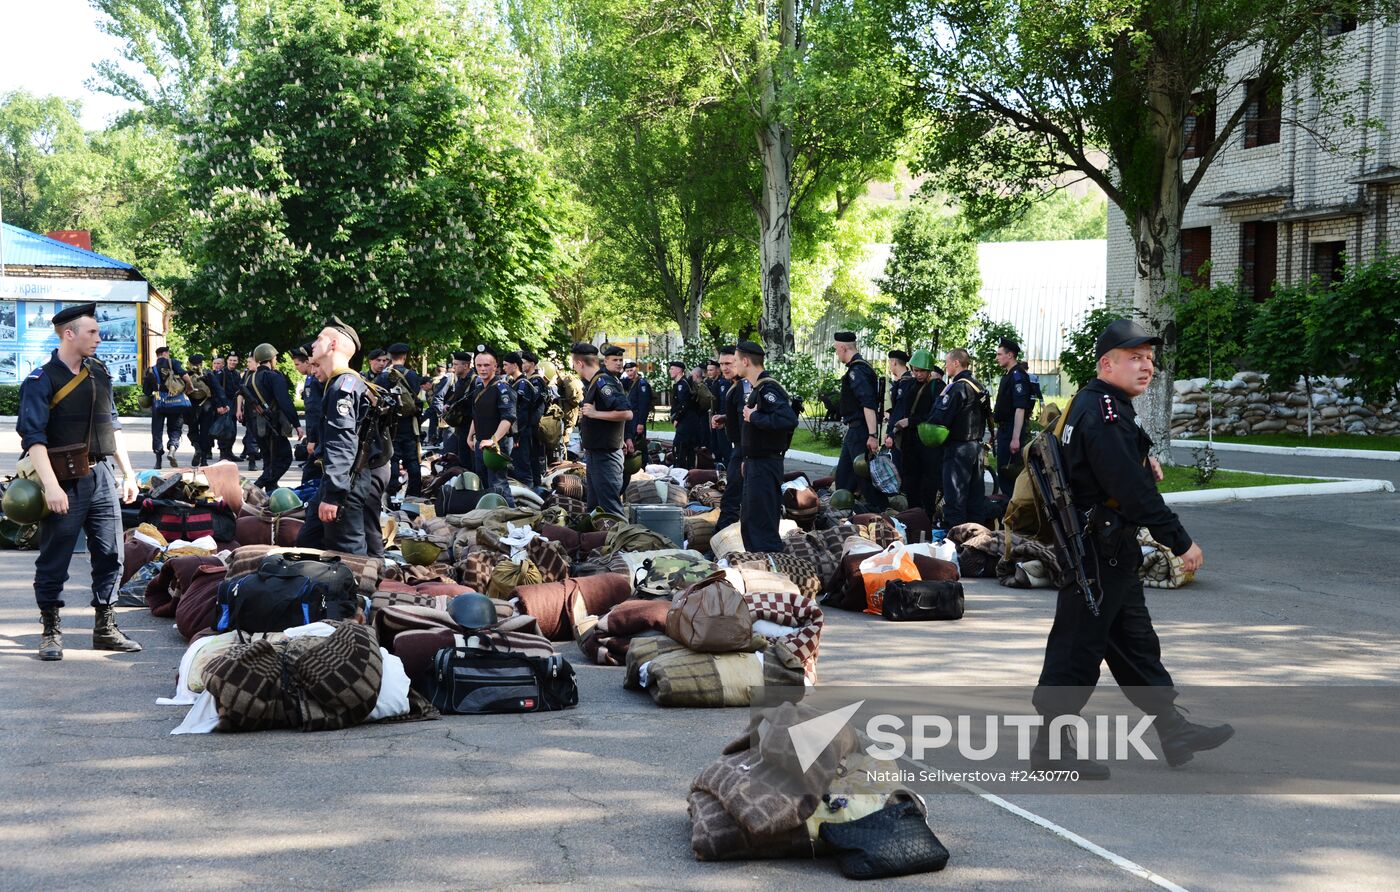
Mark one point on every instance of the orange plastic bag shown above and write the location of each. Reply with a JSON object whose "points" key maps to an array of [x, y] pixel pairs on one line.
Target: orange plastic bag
{"points": [[878, 570]]}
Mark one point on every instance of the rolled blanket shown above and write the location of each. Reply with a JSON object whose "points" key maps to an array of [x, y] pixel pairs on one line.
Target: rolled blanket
{"points": [[135, 555], [798, 613], [417, 648], [548, 601], [368, 570], [265, 528], [677, 676], [608, 641], [566, 537], [917, 525], [174, 577], [194, 612], [568, 485], [701, 475], [791, 566]]}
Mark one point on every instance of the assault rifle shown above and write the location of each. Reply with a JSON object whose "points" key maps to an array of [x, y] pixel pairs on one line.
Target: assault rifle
{"points": [[1046, 463]]}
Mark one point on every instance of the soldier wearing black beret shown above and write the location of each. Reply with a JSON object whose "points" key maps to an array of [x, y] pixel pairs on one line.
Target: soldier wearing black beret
{"points": [[603, 417]]}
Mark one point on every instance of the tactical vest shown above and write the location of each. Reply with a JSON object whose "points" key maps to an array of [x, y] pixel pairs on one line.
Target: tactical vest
{"points": [[764, 442], [594, 433], [850, 404], [487, 411], [90, 403], [971, 422]]}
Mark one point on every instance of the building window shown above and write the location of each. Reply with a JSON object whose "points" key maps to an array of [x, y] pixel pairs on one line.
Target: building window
{"points": [[1328, 261], [1195, 254], [1200, 125], [1258, 257], [1263, 115], [1333, 25]]}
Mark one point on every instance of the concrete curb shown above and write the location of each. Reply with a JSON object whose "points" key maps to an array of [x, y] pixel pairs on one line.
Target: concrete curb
{"points": [[1315, 451], [1251, 493], [811, 458]]}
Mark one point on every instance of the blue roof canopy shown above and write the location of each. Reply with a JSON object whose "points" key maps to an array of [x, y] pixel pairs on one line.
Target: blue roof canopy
{"points": [[25, 248]]}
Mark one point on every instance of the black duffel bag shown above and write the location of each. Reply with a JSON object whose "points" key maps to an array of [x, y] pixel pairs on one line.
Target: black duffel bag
{"points": [[923, 599], [188, 520], [285, 592], [456, 501], [477, 680]]}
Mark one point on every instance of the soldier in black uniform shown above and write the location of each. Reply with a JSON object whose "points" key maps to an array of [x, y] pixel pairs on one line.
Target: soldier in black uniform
{"points": [[353, 443], [407, 450], [205, 409], [718, 386], [963, 411], [546, 395], [168, 410], [275, 417], [688, 419], [1013, 408], [860, 399], [920, 465], [528, 403], [639, 400], [457, 408], [65, 402], [769, 421], [313, 391], [246, 415], [230, 379], [614, 357], [901, 381], [732, 417], [1113, 481], [377, 361], [603, 417], [493, 420]]}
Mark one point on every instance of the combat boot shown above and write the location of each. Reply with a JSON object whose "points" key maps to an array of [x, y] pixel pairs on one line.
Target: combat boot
{"points": [[1087, 769], [106, 635], [51, 644], [1181, 740]]}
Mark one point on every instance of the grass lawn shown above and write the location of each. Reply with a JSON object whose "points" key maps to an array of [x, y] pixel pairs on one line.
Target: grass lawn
{"points": [[1182, 478], [801, 439], [1336, 441]]}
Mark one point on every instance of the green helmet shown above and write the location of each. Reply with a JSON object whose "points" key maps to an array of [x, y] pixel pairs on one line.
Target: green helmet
{"points": [[283, 500], [931, 434], [24, 501], [472, 611], [843, 500], [420, 552], [467, 480], [922, 359], [264, 353], [492, 500], [633, 463], [862, 467], [494, 459], [897, 502]]}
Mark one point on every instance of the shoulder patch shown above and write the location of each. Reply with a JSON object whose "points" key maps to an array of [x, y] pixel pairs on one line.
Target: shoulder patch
{"points": [[1020, 388], [606, 389], [37, 373], [770, 397], [1108, 409]]}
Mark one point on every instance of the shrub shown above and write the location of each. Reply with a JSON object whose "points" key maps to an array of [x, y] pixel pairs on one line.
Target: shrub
{"points": [[1356, 322], [1212, 325], [1077, 359], [984, 346]]}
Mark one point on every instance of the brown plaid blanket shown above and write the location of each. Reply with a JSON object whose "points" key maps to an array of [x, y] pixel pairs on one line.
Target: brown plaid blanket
{"points": [[802, 615], [795, 568]]}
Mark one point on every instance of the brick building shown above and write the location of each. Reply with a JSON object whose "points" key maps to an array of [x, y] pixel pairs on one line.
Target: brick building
{"points": [[1277, 204]]}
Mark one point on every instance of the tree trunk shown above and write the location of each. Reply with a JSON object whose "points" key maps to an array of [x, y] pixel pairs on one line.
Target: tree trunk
{"points": [[694, 296], [774, 208]]}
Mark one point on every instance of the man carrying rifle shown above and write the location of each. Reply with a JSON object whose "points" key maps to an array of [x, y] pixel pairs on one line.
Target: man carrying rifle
{"points": [[1113, 485], [270, 397]]}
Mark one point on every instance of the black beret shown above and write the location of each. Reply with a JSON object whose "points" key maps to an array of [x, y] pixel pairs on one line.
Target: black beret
{"points": [[399, 349], [376, 353], [630, 364], [295, 353], [196, 358], [727, 350], [676, 364], [488, 350], [461, 356], [614, 350], [1010, 346], [71, 313], [711, 362], [938, 371], [513, 357], [899, 355], [529, 355], [749, 347], [845, 337], [582, 349]]}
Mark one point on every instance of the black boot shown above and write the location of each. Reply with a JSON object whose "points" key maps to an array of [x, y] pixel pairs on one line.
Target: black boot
{"points": [[1087, 769], [51, 644], [159, 456], [106, 635], [252, 464], [1181, 740]]}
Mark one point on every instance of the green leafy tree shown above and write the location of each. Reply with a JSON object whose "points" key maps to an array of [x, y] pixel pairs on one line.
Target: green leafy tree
{"points": [[372, 160], [1077, 360], [1283, 343], [1356, 321], [985, 341], [1213, 328], [931, 279], [1059, 216], [1021, 94], [33, 130]]}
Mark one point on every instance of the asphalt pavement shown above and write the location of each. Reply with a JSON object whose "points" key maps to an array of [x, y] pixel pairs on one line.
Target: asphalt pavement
{"points": [[95, 793]]}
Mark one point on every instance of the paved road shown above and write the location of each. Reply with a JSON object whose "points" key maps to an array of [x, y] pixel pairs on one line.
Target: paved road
{"points": [[95, 793]]}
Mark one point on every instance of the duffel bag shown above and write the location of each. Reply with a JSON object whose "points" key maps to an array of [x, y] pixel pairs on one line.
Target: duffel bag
{"points": [[477, 680], [710, 616], [189, 521], [286, 592], [922, 600], [456, 501]]}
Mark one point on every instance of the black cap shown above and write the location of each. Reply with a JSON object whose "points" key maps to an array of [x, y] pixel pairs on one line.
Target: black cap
{"points": [[1123, 333], [513, 357], [676, 364], [529, 355], [295, 352], [582, 349], [488, 350], [376, 353], [727, 350], [630, 364], [1010, 346], [461, 356], [398, 349], [844, 337], [711, 362], [196, 358], [614, 350], [749, 347], [899, 355], [344, 328], [937, 370], [71, 313]]}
